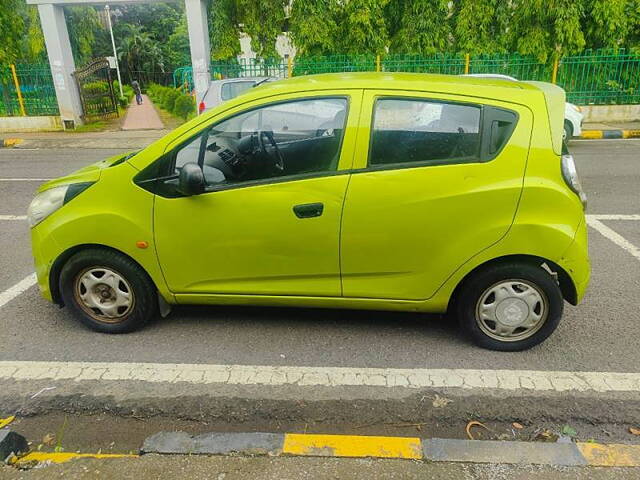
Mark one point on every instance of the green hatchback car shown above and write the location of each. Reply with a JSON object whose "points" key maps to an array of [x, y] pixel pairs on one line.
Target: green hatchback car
{"points": [[412, 192]]}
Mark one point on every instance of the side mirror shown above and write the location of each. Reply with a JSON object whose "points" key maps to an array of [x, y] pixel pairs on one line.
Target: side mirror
{"points": [[191, 180]]}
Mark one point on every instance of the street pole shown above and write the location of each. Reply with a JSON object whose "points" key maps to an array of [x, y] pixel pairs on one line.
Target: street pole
{"points": [[113, 44]]}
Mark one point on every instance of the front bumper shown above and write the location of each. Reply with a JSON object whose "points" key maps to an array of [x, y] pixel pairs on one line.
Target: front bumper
{"points": [[44, 253]]}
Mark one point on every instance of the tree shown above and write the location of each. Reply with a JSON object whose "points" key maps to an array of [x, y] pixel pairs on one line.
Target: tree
{"points": [[544, 28], [633, 35], [178, 52], [34, 50], [262, 21], [362, 27], [480, 26], [418, 26], [314, 29], [82, 23], [606, 23], [224, 32], [12, 28], [139, 54]]}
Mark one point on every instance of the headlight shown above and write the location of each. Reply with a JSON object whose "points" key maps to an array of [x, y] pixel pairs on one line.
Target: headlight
{"points": [[570, 175], [47, 202]]}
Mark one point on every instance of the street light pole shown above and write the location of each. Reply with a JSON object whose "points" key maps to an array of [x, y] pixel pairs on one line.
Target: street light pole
{"points": [[113, 44]]}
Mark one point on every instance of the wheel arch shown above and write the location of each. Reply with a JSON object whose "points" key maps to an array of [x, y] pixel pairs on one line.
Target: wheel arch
{"points": [[567, 287], [59, 262]]}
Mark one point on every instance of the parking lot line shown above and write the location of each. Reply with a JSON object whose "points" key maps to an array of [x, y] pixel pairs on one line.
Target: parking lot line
{"points": [[614, 217], [25, 179], [614, 236], [405, 378], [13, 217], [17, 289]]}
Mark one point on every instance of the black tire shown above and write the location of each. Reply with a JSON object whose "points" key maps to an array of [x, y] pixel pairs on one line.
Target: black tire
{"points": [[472, 291], [568, 131], [144, 299]]}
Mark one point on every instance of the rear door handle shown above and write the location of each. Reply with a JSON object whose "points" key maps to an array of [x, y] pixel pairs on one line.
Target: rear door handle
{"points": [[308, 210]]}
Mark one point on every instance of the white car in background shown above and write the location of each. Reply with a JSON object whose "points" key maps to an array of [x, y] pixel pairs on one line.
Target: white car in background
{"points": [[222, 90], [572, 113]]}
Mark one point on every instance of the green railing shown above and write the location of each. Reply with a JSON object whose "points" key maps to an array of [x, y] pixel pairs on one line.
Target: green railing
{"points": [[601, 77], [592, 77], [36, 88]]}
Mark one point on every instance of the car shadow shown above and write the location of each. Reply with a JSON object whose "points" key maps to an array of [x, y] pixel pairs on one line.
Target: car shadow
{"points": [[421, 323]]}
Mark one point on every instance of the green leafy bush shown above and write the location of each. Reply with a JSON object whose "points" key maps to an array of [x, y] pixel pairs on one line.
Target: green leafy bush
{"points": [[170, 99], [183, 106]]}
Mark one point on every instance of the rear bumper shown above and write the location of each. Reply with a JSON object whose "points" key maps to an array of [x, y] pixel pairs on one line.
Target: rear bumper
{"points": [[575, 261]]}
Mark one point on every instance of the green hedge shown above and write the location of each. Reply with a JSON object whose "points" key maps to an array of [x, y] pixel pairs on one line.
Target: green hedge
{"points": [[127, 92], [172, 100]]}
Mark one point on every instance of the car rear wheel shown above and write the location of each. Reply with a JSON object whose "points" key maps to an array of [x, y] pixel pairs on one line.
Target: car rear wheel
{"points": [[107, 291], [567, 133], [509, 307]]}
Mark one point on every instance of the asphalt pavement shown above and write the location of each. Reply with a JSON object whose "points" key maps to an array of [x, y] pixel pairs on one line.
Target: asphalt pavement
{"points": [[232, 368], [599, 335]]}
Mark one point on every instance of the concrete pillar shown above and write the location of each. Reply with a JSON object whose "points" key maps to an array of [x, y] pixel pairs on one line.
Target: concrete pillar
{"points": [[56, 38], [197, 22]]}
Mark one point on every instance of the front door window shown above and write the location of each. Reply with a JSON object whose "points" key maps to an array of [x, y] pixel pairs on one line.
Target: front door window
{"points": [[278, 140]]}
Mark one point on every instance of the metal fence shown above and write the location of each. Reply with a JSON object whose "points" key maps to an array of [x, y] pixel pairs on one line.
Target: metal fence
{"points": [[592, 77], [27, 90]]}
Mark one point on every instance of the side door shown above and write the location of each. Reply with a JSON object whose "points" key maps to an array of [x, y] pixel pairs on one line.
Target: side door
{"points": [[436, 180], [268, 223]]}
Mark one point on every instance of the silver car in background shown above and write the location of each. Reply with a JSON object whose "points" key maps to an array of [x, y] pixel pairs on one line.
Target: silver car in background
{"points": [[222, 90]]}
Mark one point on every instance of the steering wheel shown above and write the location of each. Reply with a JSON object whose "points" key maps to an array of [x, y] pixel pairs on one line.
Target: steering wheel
{"points": [[276, 155]]}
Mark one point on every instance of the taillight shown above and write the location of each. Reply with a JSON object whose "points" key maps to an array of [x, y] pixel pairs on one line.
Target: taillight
{"points": [[570, 175], [201, 107]]}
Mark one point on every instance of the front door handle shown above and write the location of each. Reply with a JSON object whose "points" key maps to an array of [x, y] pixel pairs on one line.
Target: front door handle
{"points": [[308, 210]]}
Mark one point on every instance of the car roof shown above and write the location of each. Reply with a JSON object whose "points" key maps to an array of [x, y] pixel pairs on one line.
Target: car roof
{"points": [[455, 84]]}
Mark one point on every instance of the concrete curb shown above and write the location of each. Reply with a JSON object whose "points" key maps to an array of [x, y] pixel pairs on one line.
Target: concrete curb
{"points": [[434, 450], [605, 134], [10, 142]]}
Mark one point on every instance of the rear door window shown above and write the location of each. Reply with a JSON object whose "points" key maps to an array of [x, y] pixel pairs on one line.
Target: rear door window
{"points": [[416, 131]]}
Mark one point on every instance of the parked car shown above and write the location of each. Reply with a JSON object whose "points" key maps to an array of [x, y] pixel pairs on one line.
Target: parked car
{"points": [[385, 191], [222, 90], [572, 113]]}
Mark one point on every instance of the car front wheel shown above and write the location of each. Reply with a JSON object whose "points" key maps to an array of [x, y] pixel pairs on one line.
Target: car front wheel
{"points": [[509, 307], [107, 291]]}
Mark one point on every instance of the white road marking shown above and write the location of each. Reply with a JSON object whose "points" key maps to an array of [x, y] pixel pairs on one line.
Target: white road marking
{"points": [[25, 179], [614, 217], [17, 289], [13, 217], [531, 380], [614, 236]]}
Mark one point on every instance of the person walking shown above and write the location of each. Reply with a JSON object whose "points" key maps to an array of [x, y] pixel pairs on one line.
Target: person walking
{"points": [[136, 89]]}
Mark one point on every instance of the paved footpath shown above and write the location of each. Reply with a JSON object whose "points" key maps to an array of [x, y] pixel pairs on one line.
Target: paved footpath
{"points": [[142, 117]]}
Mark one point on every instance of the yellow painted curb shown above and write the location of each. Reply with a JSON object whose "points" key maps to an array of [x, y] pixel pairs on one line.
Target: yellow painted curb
{"points": [[631, 133], [6, 421], [62, 457], [612, 455], [12, 142], [352, 446], [591, 134]]}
